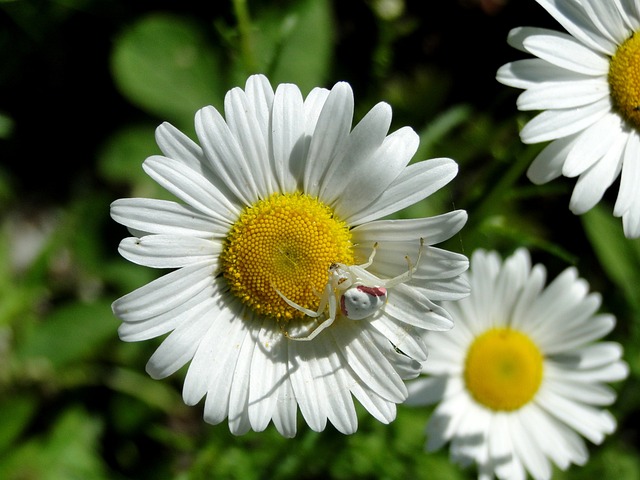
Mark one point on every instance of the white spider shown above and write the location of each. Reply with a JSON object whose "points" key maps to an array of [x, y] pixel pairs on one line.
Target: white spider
{"points": [[358, 293]]}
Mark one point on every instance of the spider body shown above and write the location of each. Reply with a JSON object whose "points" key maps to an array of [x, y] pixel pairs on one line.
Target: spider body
{"points": [[353, 292]]}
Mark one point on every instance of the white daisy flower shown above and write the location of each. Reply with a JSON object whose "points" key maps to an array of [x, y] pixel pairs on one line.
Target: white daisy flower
{"points": [[522, 374], [588, 84], [288, 290]]}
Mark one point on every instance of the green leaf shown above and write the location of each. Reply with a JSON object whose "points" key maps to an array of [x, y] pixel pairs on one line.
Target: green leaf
{"points": [[69, 451], [120, 159], [296, 46], [618, 255], [15, 414], [71, 333], [165, 65]]}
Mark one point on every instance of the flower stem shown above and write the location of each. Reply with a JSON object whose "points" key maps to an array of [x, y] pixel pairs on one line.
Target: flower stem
{"points": [[244, 29]]}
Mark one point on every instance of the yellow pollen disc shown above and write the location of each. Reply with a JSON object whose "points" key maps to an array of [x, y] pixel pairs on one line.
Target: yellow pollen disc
{"points": [[624, 80], [286, 242], [503, 369]]}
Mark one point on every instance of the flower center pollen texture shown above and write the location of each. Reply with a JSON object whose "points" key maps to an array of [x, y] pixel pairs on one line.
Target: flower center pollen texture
{"points": [[624, 80], [285, 243], [503, 369]]}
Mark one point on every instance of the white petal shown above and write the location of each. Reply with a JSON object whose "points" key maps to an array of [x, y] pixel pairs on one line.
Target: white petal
{"points": [[177, 146], [268, 369], [238, 402], [416, 182], [607, 20], [169, 251], [246, 129], [164, 293], [592, 423], [592, 144], [503, 459], [225, 155], [433, 230], [154, 326], [260, 96], [564, 51], [333, 380], [548, 164], [562, 94], [229, 366], [592, 184], [528, 450], [360, 352], [354, 163], [305, 389], [405, 337], [190, 187], [552, 124], [207, 358], [409, 306], [331, 131], [384, 166], [628, 201], [597, 328], [581, 392], [445, 420], [382, 410], [165, 217], [284, 416], [426, 391], [180, 346], [534, 72], [287, 136], [560, 443], [572, 17]]}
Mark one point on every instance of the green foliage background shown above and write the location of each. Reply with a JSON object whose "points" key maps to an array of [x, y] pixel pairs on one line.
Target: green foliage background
{"points": [[84, 83]]}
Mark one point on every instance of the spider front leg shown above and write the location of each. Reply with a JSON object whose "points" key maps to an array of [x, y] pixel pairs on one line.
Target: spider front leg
{"points": [[327, 323], [328, 298], [406, 276]]}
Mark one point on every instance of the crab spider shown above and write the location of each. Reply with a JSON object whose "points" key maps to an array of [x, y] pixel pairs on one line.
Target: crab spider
{"points": [[357, 293]]}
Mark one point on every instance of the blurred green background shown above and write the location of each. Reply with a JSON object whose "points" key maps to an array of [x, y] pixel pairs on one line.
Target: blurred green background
{"points": [[83, 84]]}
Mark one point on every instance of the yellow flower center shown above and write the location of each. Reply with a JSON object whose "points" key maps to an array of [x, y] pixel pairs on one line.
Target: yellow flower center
{"points": [[284, 243], [624, 80], [503, 369]]}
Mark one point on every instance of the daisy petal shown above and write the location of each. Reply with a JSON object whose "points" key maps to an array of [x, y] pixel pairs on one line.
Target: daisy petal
{"points": [[563, 94], [331, 131], [225, 155], [355, 157], [549, 162], [190, 187], [382, 167], [421, 179], [592, 184], [534, 72], [591, 145], [574, 19], [169, 251], [287, 138], [165, 217], [247, 130], [164, 293], [552, 124]]}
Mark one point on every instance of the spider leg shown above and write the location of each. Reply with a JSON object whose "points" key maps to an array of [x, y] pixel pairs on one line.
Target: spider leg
{"points": [[302, 309], [327, 323], [333, 308], [371, 257], [406, 276]]}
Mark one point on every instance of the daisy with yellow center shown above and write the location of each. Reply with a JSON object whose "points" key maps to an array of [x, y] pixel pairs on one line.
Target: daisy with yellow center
{"points": [[288, 291], [523, 373], [587, 81]]}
